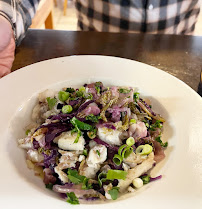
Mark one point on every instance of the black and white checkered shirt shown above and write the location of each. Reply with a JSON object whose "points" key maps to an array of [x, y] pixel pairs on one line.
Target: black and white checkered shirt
{"points": [[151, 16]]}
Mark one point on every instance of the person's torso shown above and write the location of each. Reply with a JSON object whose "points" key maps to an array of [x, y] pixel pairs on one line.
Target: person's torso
{"points": [[151, 16]]}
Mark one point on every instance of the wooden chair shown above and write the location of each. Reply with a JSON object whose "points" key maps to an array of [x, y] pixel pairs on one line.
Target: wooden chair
{"points": [[44, 15], [64, 6]]}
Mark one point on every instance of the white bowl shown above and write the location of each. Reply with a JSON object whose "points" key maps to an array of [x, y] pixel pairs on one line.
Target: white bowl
{"points": [[181, 185]]}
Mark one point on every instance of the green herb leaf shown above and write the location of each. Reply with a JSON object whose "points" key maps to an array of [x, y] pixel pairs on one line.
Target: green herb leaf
{"points": [[51, 102], [27, 132], [93, 118], [49, 186], [125, 91], [77, 137], [40, 150], [114, 193], [98, 153], [92, 134], [73, 130], [81, 125], [98, 87], [99, 84], [157, 124], [70, 90], [75, 178], [136, 96], [146, 124], [79, 93], [86, 184], [158, 139], [102, 177], [145, 179], [88, 96], [72, 199], [85, 152]]}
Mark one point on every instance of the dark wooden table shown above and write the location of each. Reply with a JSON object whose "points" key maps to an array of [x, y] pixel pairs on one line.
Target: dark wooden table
{"points": [[180, 56]]}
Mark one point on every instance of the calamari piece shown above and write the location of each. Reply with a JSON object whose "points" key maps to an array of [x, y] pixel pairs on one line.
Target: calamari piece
{"points": [[134, 159], [138, 130], [126, 97], [97, 155], [34, 156], [136, 172], [48, 176], [66, 141], [106, 189], [91, 109], [67, 160], [78, 191], [47, 93], [61, 175], [109, 135], [38, 112], [88, 170], [25, 143]]}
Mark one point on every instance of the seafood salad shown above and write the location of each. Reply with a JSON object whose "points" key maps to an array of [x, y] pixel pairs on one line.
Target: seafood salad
{"points": [[94, 142]]}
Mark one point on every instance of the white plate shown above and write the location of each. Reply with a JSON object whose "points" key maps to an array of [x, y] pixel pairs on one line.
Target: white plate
{"points": [[181, 185]]}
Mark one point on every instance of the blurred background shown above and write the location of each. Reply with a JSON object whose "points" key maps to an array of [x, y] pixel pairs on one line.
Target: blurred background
{"points": [[61, 15]]}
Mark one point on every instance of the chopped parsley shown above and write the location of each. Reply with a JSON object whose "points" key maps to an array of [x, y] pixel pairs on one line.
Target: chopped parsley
{"points": [[86, 184], [98, 153], [98, 87], [145, 179], [146, 123], [72, 199], [88, 96], [102, 177], [49, 186], [85, 152], [158, 139], [27, 132], [92, 134], [114, 192], [78, 136], [136, 96], [125, 91], [157, 124], [51, 102], [75, 178], [70, 90], [79, 93], [79, 125], [93, 118]]}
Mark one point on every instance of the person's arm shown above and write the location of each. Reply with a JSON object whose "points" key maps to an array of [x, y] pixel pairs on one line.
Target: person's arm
{"points": [[7, 46], [15, 19]]}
